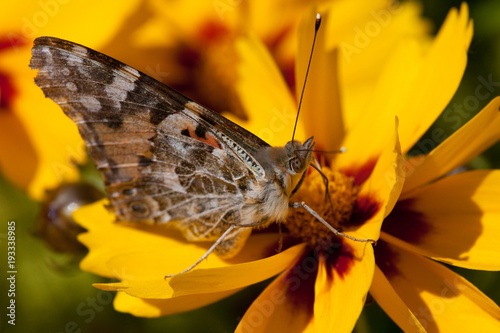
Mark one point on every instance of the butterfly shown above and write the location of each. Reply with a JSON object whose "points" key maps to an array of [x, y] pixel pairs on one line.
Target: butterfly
{"points": [[166, 159]]}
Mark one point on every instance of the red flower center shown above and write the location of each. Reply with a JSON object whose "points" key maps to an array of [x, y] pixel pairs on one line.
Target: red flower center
{"points": [[212, 31], [7, 89], [301, 278]]}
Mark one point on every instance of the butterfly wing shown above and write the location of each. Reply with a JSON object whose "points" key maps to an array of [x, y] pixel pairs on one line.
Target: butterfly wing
{"points": [[163, 157]]}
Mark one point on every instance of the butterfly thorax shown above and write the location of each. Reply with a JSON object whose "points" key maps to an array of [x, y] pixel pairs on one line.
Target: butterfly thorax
{"points": [[285, 167]]}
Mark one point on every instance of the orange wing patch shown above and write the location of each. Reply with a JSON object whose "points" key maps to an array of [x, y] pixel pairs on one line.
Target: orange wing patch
{"points": [[200, 133]]}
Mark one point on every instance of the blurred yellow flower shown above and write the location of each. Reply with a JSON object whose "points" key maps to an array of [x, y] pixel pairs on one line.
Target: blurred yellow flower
{"points": [[189, 45], [39, 145]]}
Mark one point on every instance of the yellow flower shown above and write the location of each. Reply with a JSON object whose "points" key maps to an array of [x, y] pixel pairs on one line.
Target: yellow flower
{"points": [[451, 219], [39, 145]]}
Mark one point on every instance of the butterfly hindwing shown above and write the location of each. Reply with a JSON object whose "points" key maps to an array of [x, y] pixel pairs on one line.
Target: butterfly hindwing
{"points": [[163, 157]]}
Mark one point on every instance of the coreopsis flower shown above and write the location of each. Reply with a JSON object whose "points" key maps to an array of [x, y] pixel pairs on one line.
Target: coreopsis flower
{"points": [[322, 280], [450, 219]]}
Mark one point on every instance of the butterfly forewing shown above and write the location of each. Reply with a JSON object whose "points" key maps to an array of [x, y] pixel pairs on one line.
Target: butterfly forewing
{"points": [[163, 157]]}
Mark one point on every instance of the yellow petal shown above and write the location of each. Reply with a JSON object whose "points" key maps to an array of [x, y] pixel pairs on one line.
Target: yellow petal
{"points": [[219, 278], [65, 19], [184, 16], [442, 300], [454, 220], [467, 142], [381, 190], [365, 38], [234, 276], [284, 306], [95, 216], [71, 20], [264, 94], [151, 308], [11, 14], [393, 305], [413, 87], [439, 77], [322, 96], [18, 168], [150, 260], [340, 297]]}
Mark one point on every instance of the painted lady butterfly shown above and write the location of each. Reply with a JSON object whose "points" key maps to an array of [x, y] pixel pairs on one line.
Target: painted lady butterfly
{"points": [[167, 159]]}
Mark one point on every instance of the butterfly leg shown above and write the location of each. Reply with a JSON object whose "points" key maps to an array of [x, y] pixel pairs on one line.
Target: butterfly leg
{"points": [[299, 184], [317, 167], [210, 250], [326, 224]]}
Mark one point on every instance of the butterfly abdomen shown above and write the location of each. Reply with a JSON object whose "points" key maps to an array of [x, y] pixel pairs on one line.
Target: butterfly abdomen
{"points": [[264, 204]]}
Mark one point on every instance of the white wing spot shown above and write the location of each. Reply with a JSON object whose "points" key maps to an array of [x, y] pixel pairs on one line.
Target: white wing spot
{"points": [[91, 103], [119, 88], [73, 60], [47, 55], [71, 86]]}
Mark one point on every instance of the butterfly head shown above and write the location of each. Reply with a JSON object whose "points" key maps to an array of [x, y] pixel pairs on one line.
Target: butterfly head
{"points": [[299, 155]]}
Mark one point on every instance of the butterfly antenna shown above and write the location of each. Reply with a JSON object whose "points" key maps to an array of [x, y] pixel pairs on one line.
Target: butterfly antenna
{"points": [[316, 28], [337, 151]]}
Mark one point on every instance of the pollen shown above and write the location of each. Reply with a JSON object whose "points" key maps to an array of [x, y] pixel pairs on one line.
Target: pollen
{"points": [[335, 205]]}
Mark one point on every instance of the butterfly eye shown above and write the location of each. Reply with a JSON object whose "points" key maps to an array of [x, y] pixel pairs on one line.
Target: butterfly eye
{"points": [[295, 165]]}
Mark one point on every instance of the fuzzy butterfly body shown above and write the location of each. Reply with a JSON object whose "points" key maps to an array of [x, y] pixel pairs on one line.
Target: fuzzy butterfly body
{"points": [[164, 158]]}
